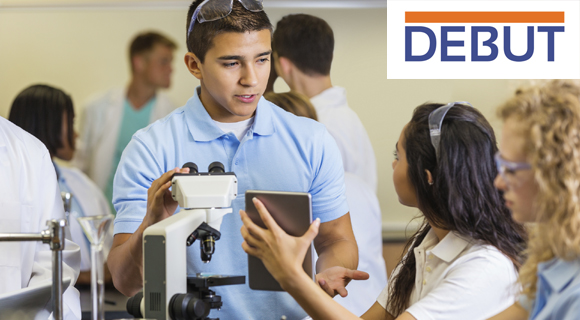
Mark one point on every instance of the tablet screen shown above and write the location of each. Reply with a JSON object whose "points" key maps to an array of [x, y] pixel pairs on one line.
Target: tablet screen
{"points": [[292, 211]]}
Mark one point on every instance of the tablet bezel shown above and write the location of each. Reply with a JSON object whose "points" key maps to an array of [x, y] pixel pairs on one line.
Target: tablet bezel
{"points": [[293, 213]]}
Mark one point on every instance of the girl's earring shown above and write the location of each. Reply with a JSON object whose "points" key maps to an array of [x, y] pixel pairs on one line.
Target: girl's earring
{"points": [[430, 183]]}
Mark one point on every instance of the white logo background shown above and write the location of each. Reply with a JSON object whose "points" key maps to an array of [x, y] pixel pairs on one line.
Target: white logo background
{"points": [[566, 64]]}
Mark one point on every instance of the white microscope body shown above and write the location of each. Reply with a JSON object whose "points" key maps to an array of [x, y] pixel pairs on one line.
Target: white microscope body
{"points": [[205, 199]]}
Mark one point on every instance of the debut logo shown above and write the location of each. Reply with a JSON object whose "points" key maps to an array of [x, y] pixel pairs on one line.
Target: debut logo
{"points": [[479, 32], [475, 39]]}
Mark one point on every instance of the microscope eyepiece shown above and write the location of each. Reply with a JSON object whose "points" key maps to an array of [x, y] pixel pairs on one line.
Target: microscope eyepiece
{"points": [[192, 167], [216, 167]]}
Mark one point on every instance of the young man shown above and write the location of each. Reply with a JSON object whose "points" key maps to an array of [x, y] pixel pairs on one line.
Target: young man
{"points": [[303, 49], [110, 120], [227, 120]]}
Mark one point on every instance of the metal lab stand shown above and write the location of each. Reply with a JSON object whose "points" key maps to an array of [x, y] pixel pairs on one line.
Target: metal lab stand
{"points": [[54, 236]]}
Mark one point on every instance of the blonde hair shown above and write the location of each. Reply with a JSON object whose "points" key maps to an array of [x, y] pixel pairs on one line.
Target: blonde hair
{"points": [[550, 118], [293, 102]]}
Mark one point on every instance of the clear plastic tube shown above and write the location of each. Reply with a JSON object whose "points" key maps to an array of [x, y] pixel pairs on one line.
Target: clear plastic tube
{"points": [[97, 282], [96, 228]]}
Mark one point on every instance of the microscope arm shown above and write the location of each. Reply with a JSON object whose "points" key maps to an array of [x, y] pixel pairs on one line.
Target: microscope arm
{"points": [[165, 265]]}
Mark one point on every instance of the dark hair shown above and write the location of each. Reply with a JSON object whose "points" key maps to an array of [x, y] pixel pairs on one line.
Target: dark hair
{"points": [[38, 110], [145, 42], [240, 20], [462, 198], [293, 102], [305, 40]]}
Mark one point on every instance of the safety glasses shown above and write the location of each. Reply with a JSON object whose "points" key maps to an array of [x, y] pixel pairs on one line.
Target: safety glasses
{"points": [[508, 169], [211, 10], [436, 120]]}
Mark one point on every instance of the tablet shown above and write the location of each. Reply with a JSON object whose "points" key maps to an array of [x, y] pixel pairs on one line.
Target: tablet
{"points": [[293, 213]]}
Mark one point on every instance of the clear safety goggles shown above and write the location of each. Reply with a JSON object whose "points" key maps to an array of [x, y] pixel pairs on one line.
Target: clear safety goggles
{"points": [[211, 10], [436, 120], [508, 170]]}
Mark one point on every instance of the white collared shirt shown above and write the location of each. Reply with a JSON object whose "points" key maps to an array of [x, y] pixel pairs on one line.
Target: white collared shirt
{"points": [[29, 196], [458, 279], [345, 127]]}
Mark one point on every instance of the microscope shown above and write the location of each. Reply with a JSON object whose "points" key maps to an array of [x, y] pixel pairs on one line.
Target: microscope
{"points": [[168, 293]]}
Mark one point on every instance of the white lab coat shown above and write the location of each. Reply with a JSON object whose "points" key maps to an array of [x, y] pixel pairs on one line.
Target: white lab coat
{"points": [[100, 126], [29, 196], [92, 202], [365, 216], [342, 122]]}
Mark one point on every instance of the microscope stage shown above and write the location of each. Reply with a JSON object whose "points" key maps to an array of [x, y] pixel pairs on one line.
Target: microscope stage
{"points": [[202, 280]]}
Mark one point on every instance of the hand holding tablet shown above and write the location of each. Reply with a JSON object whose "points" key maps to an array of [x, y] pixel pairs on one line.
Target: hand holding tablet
{"points": [[277, 229]]}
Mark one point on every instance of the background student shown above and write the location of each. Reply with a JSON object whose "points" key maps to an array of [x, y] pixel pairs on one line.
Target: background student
{"points": [[303, 50], [267, 148], [365, 216], [539, 167], [461, 264], [110, 119], [48, 114], [29, 196]]}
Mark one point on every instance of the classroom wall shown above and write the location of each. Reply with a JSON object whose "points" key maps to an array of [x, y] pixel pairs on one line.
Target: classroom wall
{"points": [[84, 51]]}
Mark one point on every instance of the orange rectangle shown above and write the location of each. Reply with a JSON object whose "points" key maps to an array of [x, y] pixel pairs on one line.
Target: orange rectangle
{"points": [[484, 17]]}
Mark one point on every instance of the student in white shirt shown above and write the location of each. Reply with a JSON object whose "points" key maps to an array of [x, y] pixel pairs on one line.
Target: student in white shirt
{"points": [[48, 114], [29, 197], [539, 162], [461, 264], [111, 118], [303, 49]]}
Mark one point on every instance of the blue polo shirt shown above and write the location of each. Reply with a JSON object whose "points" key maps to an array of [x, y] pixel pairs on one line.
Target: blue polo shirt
{"points": [[280, 152], [557, 293]]}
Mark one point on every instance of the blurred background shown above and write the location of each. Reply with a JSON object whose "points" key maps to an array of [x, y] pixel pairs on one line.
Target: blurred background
{"points": [[81, 46]]}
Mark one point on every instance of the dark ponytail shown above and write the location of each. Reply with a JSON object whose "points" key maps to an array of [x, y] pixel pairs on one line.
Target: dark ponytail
{"points": [[462, 198]]}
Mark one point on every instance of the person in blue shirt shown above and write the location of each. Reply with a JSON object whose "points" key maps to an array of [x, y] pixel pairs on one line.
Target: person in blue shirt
{"points": [[539, 162], [227, 120]]}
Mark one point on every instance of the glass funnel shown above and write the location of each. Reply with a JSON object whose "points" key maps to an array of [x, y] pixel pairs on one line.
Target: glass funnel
{"points": [[96, 229]]}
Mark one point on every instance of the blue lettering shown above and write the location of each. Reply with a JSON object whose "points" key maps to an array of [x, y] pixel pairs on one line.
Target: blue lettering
{"points": [[409, 43], [507, 49], [488, 43], [551, 31], [475, 32], [445, 43]]}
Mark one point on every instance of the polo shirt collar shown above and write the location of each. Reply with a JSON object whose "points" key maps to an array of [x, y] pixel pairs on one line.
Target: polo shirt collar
{"points": [[558, 273], [264, 121], [449, 247], [203, 128]]}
